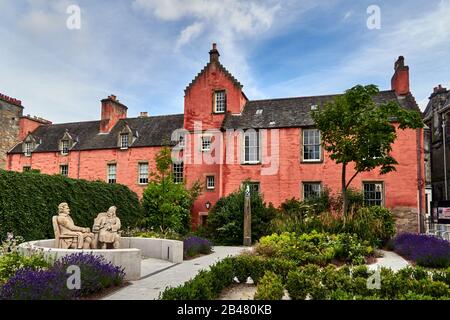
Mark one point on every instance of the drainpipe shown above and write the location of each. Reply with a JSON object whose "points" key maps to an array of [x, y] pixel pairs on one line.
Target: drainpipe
{"points": [[444, 138], [420, 182]]}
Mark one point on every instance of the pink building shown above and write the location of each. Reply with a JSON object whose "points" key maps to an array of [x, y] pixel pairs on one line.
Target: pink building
{"points": [[224, 139]]}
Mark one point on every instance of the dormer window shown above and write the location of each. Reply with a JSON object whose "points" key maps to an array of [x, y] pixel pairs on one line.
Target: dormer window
{"points": [[220, 101], [66, 143], [65, 147], [28, 148], [29, 145], [124, 138]]}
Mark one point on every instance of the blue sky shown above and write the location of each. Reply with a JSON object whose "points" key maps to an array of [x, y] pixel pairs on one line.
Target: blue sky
{"points": [[147, 51]]}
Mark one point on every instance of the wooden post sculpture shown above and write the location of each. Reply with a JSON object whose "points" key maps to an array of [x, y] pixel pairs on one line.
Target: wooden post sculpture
{"points": [[247, 218]]}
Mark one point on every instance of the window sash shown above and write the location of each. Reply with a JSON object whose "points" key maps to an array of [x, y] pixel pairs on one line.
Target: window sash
{"points": [[311, 190], [112, 170], [64, 170], [177, 169], [252, 147], [64, 147], [372, 196], [220, 101], [311, 145], [254, 186], [28, 147], [206, 143], [124, 141], [210, 182], [143, 173]]}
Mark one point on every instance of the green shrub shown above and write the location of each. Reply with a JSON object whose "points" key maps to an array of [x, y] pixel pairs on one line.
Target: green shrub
{"points": [[373, 224], [207, 285], [270, 287], [226, 218], [314, 247], [305, 283], [11, 262], [29, 200]]}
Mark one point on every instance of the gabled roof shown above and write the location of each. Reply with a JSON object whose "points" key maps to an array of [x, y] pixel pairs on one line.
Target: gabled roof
{"points": [[152, 131], [221, 68], [295, 112]]}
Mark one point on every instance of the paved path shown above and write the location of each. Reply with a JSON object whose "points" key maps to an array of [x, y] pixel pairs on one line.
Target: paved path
{"points": [[390, 260], [157, 274]]}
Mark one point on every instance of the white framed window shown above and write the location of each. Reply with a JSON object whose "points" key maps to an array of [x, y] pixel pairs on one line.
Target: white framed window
{"points": [[124, 141], [311, 145], [373, 193], [177, 168], [64, 169], [311, 190], [206, 143], [112, 173], [220, 101], [210, 182], [65, 147], [28, 148], [252, 147], [143, 173]]}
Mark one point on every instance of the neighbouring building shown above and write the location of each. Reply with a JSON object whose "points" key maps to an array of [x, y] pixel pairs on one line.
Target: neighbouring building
{"points": [[438, 138], [224, 140], [13, 125]]}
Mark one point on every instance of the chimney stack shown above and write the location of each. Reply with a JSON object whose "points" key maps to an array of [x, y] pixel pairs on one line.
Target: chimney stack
{"points": [[112, 112], [214, 54], [400, 79], [144, 114]]}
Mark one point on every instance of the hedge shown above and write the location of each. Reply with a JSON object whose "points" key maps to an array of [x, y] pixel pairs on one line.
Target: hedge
{"points": [[29, 200]]}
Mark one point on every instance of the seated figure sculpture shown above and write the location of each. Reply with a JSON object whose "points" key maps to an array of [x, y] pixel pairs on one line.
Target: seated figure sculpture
{"points": [[67, 234], [106, 228]]}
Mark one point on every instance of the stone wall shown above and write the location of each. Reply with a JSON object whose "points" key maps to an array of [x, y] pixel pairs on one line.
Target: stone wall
{"points": [[406, 219], [9, 128]]}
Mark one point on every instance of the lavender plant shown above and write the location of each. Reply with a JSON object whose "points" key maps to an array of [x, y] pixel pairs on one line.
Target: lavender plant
{"points": [[195, 245], [425, 250], [51, 283]]}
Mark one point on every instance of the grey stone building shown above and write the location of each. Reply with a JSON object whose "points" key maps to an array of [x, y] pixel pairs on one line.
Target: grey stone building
{"points": [[11, 110], [437, 142]]}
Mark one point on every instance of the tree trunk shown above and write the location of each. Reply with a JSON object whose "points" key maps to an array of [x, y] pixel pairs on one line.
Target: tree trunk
{"points": [[344, 191]]}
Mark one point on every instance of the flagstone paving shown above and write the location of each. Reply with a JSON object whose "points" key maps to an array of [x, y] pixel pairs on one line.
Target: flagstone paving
{"points": [[390, 260], [157, 274]]}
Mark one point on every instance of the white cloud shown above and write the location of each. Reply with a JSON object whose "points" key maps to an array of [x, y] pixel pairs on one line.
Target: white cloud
{"points": [[189, 33]]}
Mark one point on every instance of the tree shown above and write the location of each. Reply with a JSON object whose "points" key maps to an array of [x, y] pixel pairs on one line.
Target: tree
{"points": [[226, 219], [355, 129], [168, 204]]}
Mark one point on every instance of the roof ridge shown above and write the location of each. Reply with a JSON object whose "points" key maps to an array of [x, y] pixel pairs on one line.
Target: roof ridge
{"points": [[157, 116], [306, 97]]}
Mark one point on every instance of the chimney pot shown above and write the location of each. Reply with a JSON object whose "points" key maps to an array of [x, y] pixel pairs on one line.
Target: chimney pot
{"points": [[214, 53], [112, 97], [144, 114]]}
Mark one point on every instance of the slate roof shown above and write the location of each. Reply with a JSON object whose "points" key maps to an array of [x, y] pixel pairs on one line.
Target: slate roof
{"points": [[152, 131], [295, 112]]}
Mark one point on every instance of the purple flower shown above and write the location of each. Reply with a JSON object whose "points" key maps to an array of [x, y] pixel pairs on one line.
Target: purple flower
{"points": [[195, 245], [425, 250], [51, 284]]}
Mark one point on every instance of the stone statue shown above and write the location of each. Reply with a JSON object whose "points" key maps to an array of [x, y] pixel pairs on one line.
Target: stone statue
{"points": [[67, 234], [106, 228]]}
